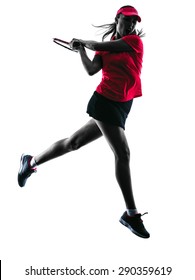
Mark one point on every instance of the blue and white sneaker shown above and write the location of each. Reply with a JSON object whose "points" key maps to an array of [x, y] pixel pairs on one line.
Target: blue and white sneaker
{"points": [[25, 170], [135, 224]]}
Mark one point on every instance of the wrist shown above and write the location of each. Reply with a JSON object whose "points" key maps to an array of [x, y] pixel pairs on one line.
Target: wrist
{"points": [[89, 44], [81, 48]]}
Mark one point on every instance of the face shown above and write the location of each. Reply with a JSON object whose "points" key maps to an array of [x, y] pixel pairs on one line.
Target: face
{"points": [[125, 25]]}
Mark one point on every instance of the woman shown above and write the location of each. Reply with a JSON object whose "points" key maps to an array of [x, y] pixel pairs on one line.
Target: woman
{"points": [[120, 60]]}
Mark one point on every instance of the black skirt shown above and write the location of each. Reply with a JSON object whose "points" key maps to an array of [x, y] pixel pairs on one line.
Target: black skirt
{"points": [[108, 111]]}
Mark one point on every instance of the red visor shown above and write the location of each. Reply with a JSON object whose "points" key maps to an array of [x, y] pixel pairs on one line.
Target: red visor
{"points": [[128, 11]]}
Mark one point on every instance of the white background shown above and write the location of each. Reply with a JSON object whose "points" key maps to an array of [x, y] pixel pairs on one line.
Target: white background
{"points": [[67, 215]]}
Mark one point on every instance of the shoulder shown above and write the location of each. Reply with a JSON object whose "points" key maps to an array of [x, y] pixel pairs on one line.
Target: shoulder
{"points": [[134, 41], [133, 38]]}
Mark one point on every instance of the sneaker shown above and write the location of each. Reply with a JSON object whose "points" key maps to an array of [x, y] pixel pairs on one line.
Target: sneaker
{"points": [[25, 169], [135, 224]]}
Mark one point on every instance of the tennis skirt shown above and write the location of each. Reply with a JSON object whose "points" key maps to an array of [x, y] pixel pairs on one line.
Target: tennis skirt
{"points": [[108, 111]]}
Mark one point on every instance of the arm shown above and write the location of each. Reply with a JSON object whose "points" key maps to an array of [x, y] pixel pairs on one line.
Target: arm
{"points": [[91, 66], [112, 46]]}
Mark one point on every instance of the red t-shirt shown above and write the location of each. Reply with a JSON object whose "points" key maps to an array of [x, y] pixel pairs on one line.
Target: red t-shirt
{"points": [[121, 71]]}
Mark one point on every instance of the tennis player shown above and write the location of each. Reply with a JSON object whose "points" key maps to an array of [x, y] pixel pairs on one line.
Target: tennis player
{"points": [[120, 60]]}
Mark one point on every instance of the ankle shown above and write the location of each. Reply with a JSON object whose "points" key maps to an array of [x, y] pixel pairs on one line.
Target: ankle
{"points": [[132, 212], [33, 163]]}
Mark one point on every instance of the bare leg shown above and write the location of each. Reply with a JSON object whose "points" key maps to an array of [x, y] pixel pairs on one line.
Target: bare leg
{"points": [[88, 133], [118, 143]]}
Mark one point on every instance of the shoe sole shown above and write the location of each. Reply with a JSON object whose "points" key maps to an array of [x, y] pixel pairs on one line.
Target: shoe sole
{"points": [[124, 223]]}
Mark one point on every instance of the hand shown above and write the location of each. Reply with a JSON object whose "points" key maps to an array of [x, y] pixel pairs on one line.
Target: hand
{"points": [[75, 44]]}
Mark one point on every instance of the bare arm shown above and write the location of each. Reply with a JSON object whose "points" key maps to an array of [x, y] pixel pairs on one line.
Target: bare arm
{"points": [[91, 66], [112, 46]]}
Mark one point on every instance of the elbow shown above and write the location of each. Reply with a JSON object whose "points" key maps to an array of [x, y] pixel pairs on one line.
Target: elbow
{"points": [[91, 73]]}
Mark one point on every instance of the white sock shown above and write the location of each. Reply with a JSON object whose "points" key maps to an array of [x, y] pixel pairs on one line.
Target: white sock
{"points": [[33, 162], [132, 212]]}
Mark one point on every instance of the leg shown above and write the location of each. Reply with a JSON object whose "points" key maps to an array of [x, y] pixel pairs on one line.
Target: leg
{"points": [[88, 133], [83, 136], [118, 143]]}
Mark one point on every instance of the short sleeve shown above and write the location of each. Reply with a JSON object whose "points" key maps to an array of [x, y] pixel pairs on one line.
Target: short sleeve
{"points": [[98, 52], [135, 42]]}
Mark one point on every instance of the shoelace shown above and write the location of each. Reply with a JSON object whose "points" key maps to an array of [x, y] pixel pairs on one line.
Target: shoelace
{"points": [[138, 216], [144, 214]]}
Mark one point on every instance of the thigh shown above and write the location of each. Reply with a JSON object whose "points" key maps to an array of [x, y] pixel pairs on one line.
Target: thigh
{"points": [[115, 136], [86, 134]]}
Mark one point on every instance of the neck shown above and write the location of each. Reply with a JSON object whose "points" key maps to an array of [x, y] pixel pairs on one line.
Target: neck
{"points": [[117, 36]]}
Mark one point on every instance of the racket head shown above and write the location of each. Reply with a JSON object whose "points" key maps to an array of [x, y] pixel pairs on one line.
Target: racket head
{"points": [[64, 44]]}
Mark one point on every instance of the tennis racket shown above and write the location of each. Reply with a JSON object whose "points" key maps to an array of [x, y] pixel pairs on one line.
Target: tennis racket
{"points": [[64, 44]]}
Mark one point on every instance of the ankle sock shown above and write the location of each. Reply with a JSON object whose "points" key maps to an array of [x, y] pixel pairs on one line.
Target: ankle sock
{"points": [[33, 163], [132, 212]]}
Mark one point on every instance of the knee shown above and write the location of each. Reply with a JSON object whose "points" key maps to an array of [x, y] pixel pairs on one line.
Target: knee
{"points": [[75, 143], [123, 155]]}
